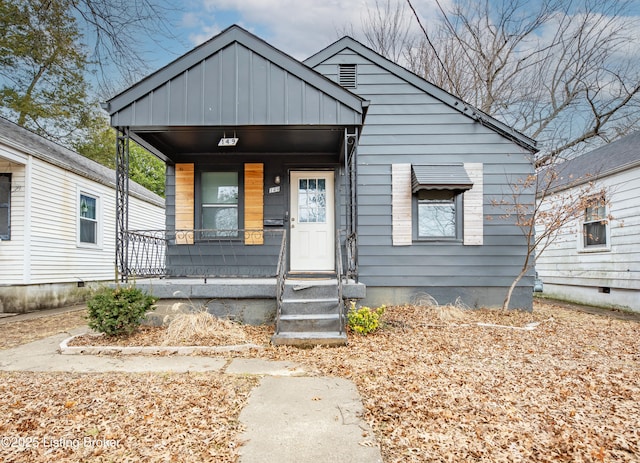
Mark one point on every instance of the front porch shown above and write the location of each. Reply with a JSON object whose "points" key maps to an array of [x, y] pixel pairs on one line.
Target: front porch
{"points": [[227, 278], [261, 156]]}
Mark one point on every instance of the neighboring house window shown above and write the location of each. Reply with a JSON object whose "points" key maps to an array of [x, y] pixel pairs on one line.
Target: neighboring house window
{"points": [[438, 214], [219, 212], [5, 206], [88, 212], [594, 227], [347, 75]]}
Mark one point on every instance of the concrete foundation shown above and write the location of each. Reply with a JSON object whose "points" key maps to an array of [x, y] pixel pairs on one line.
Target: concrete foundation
{"points": [[612, 298], [248, 311], [29, 298], [246, 300], [473, 297]]}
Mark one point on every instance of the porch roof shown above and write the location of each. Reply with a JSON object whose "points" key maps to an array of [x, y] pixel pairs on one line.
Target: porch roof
{"points": [[236, 85]]}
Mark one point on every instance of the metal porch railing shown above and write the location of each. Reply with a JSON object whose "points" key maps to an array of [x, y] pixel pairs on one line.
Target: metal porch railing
{"points": [[204, 253]]}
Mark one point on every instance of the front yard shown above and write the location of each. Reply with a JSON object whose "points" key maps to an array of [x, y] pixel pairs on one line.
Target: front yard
{"points": [[436, 387]]}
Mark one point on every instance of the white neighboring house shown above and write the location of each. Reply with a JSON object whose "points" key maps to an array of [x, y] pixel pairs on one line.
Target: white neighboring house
{"points": [[596, 260], [57, 221]]}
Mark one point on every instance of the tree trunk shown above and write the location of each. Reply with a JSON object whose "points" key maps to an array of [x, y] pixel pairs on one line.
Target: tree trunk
{"points": [[507, 299]]}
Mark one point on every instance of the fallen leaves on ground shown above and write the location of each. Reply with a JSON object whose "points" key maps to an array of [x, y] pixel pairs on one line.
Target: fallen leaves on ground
{"points": [[121, 417], [14, 333], [436, 386], [454, 391]]}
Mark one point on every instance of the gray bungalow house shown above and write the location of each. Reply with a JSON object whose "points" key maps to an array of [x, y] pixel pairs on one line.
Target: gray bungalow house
{"points": [[293, 186]]}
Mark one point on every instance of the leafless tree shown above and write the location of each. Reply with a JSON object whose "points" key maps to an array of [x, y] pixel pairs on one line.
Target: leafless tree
{"points": [[564, 72], [115, 32], [385, 28], [549, 212]]}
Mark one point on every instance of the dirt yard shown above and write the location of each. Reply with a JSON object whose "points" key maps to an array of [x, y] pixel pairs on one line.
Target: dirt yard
{"points": [[437, 385]]}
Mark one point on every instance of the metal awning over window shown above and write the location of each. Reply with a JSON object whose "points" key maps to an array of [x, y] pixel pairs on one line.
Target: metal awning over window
{"points": [[452, 177]]}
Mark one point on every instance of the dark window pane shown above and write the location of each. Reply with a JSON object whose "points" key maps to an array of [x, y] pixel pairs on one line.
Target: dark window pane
{"points": [[219, 188], [595, 234], [436, 219], [88, 207], [4, 222], [224, 220], [88, 231], [5, 209]]}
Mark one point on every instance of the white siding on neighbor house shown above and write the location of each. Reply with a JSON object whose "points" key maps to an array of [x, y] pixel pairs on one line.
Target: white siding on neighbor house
{"points": [[56, 255], [144, 215], [12, 257], [617, 266], [53, 253]]}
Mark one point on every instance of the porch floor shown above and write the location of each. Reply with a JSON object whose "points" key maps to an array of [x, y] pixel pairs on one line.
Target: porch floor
{"points": [[228, 288]]}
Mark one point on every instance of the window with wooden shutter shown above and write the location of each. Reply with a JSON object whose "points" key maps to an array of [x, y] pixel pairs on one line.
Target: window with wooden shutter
{"points": [[401, 204], [253, 203], [184, 203], [473, 206], [439, 192]]}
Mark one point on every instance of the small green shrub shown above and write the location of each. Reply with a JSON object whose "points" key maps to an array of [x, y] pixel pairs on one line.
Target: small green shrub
{"points": [[118, 311], [364, 320]]}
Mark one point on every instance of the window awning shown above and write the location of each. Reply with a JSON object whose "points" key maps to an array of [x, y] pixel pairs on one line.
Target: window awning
{"points": [[451, 177]]}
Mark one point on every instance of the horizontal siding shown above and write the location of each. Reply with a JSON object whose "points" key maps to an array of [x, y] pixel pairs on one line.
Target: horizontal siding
{"points": [[406, 125], [55, 254], [12, 259], [563, 264]]}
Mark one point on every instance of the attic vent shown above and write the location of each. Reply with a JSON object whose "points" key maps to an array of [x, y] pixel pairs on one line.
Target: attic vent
{"points": [[347, 75]]}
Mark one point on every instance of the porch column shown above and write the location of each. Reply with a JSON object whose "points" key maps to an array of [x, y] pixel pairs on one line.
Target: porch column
{"points": [[351, 184], [122, 204]]}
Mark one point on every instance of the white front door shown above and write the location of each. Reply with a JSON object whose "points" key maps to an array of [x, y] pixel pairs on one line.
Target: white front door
{"points": [[312, 221]]}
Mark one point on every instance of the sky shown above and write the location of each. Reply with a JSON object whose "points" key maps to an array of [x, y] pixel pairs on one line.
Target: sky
{"points": [[299, 28]]}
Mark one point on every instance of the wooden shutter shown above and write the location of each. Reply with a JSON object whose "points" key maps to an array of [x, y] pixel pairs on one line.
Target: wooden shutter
{"points": [[253, 203], [473, 206], [401, 204], [184, 203]]}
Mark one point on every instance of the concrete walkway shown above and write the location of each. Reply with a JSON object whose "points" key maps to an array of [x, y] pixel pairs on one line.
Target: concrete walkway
{"points": [[289, 416]]}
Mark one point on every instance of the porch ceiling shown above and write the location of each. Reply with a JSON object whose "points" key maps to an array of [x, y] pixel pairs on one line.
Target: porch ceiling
{"points": [[169, 142]]}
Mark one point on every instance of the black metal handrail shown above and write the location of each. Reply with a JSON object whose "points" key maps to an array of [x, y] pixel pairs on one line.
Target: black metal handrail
{"points": [[282, 275]]}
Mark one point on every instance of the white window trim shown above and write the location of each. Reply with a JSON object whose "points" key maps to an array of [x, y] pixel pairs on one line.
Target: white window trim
{"points": [[99, 219], [596, 248], [600, 248]]}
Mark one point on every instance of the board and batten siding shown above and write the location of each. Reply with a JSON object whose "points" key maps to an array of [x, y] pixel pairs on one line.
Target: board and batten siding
{"points": [[235, 86], [405, 125], [570, 272]]}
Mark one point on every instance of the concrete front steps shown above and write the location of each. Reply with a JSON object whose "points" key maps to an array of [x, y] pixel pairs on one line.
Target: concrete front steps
{"points": [[310, 314]]}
